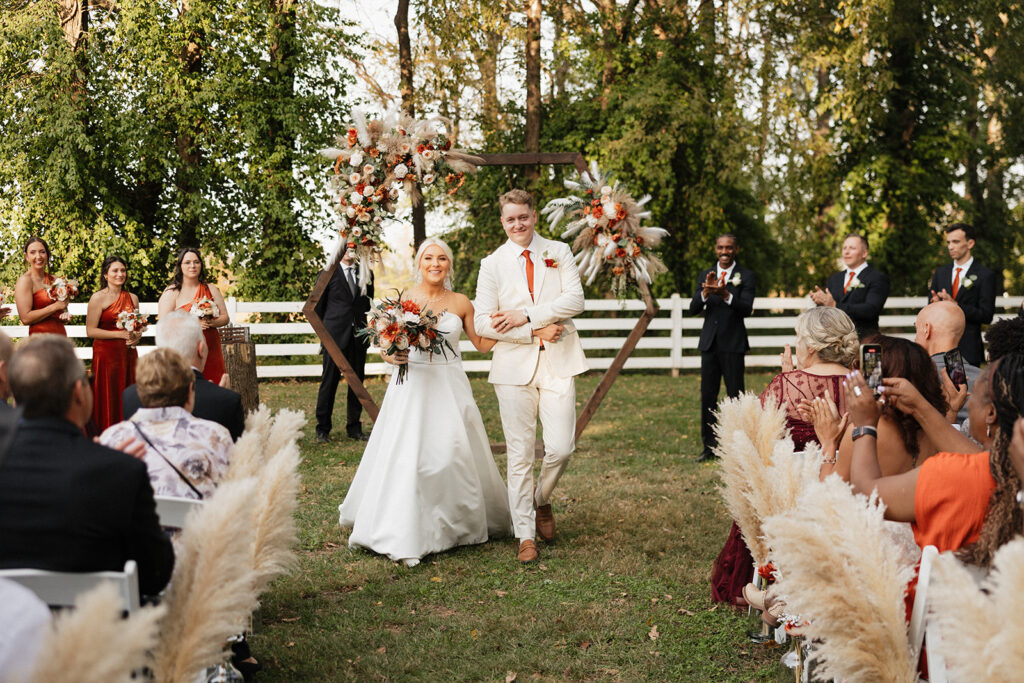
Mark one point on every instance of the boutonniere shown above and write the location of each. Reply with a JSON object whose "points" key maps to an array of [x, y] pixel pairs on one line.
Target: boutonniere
{"points": [[548, 261], [969, 281], [855, 283], [736, 280]]}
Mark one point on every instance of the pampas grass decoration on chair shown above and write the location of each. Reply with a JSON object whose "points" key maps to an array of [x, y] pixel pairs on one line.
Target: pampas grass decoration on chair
{"points": [[273, 520], [212, 588], [842, 573], [982, 635], [249, 452], [93, 644]]}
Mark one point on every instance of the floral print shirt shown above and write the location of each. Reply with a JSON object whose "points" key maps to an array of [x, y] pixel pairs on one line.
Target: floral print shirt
{"points": [[198, 448]]}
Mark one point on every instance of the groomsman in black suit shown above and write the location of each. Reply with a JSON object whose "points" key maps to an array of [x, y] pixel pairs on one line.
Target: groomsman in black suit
{"points": [[343, 308], [726, 293], [858, 290], [971, 285]]}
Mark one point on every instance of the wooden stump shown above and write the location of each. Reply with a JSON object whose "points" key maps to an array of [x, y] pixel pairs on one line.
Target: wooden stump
{"points": [[240, 364]]}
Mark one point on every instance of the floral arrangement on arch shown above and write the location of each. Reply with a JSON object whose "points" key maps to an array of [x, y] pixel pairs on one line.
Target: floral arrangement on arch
{"points": [[610, 239], [377, 158]]}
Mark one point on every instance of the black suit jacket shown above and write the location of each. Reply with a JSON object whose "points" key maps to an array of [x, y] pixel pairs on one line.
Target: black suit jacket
{"points": [[213, 402], [977, 301], [862, 304], [342, 313], [68, 504], [724, 322]]}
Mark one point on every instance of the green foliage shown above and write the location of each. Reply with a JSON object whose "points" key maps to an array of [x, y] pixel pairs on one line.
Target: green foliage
{"points": [[166, 128]]}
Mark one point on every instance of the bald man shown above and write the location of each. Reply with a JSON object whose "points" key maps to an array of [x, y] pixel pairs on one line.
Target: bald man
{"points": [[939, 328]]}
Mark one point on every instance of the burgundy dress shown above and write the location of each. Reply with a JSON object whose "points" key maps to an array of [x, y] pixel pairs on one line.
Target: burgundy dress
{"points": [[51, 324], [113, 366], [734, 567], [215, 359]]}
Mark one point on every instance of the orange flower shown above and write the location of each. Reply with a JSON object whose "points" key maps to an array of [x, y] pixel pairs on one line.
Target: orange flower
{"points": [[636, 251], [620, 214], [620, 252], [374, 152], [639, 240], [618, 270], [598, 211], [410, 307]]}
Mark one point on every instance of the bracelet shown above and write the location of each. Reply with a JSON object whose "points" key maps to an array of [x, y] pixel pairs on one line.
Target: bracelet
{"points": [[832, 460], [863, 431]]}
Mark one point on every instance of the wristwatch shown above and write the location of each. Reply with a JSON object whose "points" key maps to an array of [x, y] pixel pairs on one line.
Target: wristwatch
{"points": [[863, 431], [527, 314]]}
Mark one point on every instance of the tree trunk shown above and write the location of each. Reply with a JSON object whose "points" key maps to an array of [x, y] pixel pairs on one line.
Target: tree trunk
{"points": [[405, 69], [186, 180], [533, 16]]}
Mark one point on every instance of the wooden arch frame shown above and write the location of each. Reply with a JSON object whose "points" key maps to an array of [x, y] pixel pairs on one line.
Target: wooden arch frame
{"points": [[527, 159]]}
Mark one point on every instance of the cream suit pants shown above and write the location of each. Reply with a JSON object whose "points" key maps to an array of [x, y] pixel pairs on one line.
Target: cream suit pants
{"points": [[552, 398]]}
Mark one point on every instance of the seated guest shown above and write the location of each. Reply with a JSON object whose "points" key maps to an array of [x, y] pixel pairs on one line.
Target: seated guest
{"points": [[6, 351], [66, 503], [1005, 337], [902, 443], [939, 327], [961, 499], [182, 332], [186, 456]]}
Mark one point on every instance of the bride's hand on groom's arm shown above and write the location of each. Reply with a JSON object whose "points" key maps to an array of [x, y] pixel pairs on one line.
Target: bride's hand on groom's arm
{"points": [[506, 321], [400, 358]]}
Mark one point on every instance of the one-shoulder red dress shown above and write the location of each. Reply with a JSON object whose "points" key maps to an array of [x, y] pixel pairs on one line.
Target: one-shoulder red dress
{"points": [[113, 366], [48, 325], [215, 359]]}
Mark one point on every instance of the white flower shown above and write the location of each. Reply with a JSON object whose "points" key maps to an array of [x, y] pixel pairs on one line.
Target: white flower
{"points": [[393, 193], [402, 342], [368, 169], [410, 317], [357, 231], [355, 198], [605, 191], [368, 191], [350, 211], [969, 281], [428, 178], [401, 171], [736, 280], [424, 342], [609, 209], [355, 159], [363, 217], [427, 154], [602, 239], [378, 220], [354, 178], [855, 283], [591, 221], [404, 148]]}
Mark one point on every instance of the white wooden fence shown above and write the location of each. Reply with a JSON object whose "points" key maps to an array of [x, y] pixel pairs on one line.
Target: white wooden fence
{"points": [[670, 343]]}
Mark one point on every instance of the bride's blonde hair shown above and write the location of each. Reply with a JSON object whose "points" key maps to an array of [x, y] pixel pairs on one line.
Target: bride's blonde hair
{"points": [[438, 242]]}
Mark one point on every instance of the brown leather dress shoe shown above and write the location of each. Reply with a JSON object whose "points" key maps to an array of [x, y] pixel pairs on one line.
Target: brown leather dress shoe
{"points": [[545, 523], [527, 551]]}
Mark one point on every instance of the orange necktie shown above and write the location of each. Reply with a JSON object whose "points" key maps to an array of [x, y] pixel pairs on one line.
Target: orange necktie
{"points": [[848, 281], [529, 279], [721, 279], [956, 282]]}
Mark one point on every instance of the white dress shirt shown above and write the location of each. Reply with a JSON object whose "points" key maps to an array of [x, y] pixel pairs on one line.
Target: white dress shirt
{"points": [[964, 267]]}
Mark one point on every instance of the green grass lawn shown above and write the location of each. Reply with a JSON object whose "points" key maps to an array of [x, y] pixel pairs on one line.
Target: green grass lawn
{"points": [[621, 596]]}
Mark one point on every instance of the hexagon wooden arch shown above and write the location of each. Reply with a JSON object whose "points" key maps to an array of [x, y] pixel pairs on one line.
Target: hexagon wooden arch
{"points": [[527, 159]]}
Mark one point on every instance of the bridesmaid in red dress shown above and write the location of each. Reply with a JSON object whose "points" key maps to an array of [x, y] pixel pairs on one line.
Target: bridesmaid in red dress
{"points": [[188, 287], [113, 350], [35, 308]]}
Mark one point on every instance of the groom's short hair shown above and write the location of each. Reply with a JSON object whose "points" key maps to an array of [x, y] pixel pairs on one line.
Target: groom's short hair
{"points": [[516, 196]]}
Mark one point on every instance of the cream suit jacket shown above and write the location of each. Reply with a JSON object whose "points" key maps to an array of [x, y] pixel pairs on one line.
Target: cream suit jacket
{"points": [[558, 296]]}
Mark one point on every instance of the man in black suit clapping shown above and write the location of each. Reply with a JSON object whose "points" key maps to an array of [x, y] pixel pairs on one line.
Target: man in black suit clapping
{"points": [[726, 293], [970, 285], [858, 290], [343, 308]]}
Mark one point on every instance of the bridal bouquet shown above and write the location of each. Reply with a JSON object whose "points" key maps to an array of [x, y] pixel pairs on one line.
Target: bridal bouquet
{"points": [[131, 321], [62, 289], [375, 159], [609, 237], [205, 307], [394, 325]]}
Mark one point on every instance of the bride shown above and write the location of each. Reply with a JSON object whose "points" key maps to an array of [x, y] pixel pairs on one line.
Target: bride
{"points": [[427, 481]]}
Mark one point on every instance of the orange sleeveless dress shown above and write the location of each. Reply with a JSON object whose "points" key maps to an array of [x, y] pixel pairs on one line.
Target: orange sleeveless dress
{"points": [[215, 360], [51, 324], [113, 366]]}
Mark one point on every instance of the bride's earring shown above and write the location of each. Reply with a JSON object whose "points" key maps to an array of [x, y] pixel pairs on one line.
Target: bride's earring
{"points": [[988, 431]]}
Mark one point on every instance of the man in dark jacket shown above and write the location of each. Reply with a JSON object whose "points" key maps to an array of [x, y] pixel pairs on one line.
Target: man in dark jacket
{"points": [[67, 503], [858, 290], [343, 308], [725, 293]]}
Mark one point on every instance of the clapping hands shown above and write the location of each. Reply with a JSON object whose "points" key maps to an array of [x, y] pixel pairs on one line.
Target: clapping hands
{"points": [[822, 297], [710, 286], [829, 426]]}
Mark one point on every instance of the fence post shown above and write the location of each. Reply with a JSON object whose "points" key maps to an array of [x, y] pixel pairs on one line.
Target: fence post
{"points": [[676, 353], [232, 304]]}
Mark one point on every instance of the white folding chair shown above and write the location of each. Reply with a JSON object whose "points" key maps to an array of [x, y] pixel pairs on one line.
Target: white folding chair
{"points": [[59, 589], [172, 511], [919, 619]]}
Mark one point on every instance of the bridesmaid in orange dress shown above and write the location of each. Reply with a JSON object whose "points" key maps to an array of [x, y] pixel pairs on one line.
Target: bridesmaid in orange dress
{"points": [[35, 308], [113, 350], [188, 287]]}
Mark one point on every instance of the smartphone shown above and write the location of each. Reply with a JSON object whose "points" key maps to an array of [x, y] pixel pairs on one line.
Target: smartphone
{"points": [[871, 365], [955, 367]]}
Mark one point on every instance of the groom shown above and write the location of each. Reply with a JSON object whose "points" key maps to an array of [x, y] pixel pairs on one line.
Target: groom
{"points": [[527, 292]]}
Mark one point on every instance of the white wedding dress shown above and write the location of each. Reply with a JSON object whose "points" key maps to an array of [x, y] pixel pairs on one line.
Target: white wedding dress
{"points": [[427, 481]]}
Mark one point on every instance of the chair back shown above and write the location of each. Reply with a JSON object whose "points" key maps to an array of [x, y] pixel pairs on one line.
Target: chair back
{"points": [[172, 511], [59, 589], [919, 619]]}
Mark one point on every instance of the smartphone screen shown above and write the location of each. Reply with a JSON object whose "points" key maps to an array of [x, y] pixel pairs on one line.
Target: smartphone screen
{"points": [[871, 365], [955, 367]]}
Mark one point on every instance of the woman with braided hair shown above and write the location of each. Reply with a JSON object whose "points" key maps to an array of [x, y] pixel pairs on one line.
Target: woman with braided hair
{"points": [[959, 500]]}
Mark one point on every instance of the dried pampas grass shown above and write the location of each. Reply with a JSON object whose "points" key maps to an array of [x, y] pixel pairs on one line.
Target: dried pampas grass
{"points": [[211, 591], [982, 635], [93, 644], [286, 429], [249, 452], [747, 434], [273, 520], [842, 573]]}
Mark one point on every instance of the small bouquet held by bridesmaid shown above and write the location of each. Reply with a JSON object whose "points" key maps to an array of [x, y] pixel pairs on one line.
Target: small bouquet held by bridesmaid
{"points": [[131, 321], [205, 307], [62, 289], [394, 325]]}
